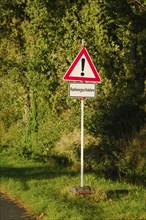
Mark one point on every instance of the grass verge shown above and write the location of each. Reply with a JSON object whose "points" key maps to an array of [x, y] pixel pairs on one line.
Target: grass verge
{"points": [[44, 190]]}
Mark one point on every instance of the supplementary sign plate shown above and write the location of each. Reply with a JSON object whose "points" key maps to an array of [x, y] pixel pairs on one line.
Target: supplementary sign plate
{"points": [[79, 90]]}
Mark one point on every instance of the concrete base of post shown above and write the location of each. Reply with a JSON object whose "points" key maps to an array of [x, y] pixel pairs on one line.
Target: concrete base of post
{"points": [[82, 190]]}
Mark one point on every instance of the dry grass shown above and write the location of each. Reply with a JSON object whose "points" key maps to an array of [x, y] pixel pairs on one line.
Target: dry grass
{"points": [[69, 144]]}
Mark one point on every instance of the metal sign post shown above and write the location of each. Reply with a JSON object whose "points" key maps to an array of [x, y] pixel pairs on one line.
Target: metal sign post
{"points": [[82, 136], [83, 71], [82, 142]]}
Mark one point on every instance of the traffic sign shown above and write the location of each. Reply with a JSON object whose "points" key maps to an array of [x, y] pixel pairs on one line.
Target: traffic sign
{"points": [[82, 69], [78, 90]]}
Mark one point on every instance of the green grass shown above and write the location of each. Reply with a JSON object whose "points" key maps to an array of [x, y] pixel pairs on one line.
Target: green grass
{"points": [[44, 189]]}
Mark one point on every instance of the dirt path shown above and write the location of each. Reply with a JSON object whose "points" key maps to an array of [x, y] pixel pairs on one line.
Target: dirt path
{"points": [[9, 210]]}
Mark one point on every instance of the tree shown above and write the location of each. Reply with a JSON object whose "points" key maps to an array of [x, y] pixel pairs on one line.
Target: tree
{"points": [[39, 40]]}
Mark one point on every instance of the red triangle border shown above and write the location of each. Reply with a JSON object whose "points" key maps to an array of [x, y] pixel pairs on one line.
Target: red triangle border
{"points": [[77, 78]]}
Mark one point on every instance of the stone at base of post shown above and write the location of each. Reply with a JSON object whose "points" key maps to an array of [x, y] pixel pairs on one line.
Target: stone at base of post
{"points": [[82, 190]]}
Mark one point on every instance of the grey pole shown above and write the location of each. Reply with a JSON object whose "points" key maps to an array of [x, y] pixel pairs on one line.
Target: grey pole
{"points": [[82, 137]]}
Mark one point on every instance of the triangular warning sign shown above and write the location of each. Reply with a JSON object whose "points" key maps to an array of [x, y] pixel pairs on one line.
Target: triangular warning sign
{"points": [[82, 69]]}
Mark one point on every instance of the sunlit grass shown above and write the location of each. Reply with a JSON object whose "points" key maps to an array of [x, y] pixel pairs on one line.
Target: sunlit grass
{"points": [[45, 191]]}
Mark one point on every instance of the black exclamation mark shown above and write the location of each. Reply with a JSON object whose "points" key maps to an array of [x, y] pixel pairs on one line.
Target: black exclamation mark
{"points": [[82, 66]]}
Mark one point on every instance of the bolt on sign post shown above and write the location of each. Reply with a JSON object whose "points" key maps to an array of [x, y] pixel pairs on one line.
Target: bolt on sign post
{"points": [[85, 74]]}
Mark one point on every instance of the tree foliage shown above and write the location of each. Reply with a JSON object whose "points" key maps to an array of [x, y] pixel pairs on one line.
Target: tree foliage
{"points": [[39, 40]]}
